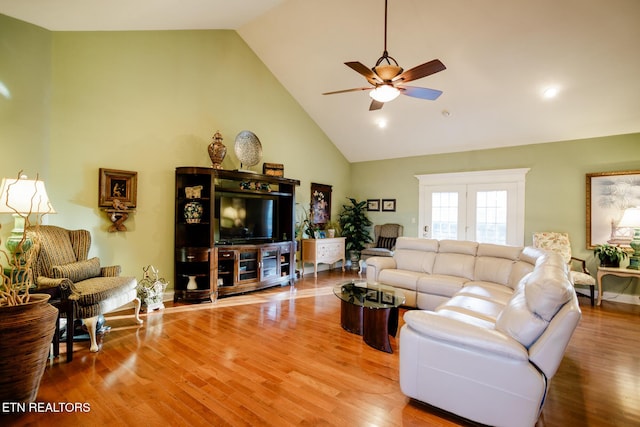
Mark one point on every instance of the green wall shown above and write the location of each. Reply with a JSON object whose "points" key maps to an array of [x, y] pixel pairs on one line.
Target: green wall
{"points": [[25, 82], [555, 184], [149, 102]]}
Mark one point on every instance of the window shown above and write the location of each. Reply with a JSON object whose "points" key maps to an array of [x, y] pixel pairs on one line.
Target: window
{"points": [[485, 206]]}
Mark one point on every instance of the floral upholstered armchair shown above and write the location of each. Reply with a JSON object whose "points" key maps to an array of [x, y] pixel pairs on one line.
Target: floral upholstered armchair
{"points": [[86, 289], [560, 243]]}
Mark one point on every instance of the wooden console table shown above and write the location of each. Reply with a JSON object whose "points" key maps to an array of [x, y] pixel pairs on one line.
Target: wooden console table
{"points": [[325, 251], [613, 271]]}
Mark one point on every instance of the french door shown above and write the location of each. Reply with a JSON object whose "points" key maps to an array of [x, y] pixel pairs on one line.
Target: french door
{"points": [[486, 206]]}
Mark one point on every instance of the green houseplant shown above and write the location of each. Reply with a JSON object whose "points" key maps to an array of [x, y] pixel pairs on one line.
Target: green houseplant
{"points": [[27, 320], [333, 229], [354, 224], [609, 255]]}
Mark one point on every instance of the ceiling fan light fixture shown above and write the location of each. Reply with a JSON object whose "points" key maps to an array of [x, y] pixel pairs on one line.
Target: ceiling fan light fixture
{"points": [[387, 72], [384, 93]]}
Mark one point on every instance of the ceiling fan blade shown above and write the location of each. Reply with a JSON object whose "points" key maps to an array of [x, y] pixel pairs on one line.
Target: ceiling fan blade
{"points": [[375, 105], [421, 71], [364, 70], [420, 92], [358, 89]]}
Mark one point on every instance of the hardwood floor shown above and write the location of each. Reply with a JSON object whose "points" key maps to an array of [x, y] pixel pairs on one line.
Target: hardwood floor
{"points": [[279, 357]]}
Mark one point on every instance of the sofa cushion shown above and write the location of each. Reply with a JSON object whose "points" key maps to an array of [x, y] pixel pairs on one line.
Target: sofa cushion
{"points": [[495, 262], [537, 299], [467, 318], [519, 269], [491, 269], [420, 261], [487, 290], [417, 244], [473, 306], [403, 279], [499, 251], [439, 284], [454, 264], [98, 289], [517, 321], [458, 247], [77, 271], [547, 289]]}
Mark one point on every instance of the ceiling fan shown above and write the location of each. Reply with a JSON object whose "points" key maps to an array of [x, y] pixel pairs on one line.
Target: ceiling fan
{"points": [[387, 78]]}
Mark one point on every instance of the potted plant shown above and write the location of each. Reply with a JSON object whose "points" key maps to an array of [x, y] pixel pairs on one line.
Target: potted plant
{"points": [[354, 224], [27, 320], [332, 228], [609, 255], [306, 227]]}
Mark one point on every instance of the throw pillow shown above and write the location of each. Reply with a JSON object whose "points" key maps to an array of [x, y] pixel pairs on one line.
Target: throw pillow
{"points": [[77, 271], [386, 242]]}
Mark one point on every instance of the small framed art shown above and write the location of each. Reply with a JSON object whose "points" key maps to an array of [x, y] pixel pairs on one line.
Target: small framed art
{"points": [[373, 205], [388, 205], [119, 186]]}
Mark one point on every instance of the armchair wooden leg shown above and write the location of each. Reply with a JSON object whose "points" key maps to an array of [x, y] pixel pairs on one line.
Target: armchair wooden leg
{"points": [[91, 323], [138, 304], [56, 337], [70, 320]]}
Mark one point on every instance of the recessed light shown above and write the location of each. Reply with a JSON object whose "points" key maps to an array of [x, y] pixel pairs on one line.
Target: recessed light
{"points": [[382, 123], [446, 113], [550, 92]]}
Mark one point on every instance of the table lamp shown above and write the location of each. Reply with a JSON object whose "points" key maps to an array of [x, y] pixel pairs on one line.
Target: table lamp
{"points": [[631, 219], [22, 197]]}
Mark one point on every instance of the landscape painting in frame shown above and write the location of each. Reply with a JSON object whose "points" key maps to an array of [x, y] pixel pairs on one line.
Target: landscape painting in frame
{"points": [[608, 195]]}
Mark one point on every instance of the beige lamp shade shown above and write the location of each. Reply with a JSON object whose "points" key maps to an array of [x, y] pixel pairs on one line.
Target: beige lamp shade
{"points": [[630, 218], [24, 196]]}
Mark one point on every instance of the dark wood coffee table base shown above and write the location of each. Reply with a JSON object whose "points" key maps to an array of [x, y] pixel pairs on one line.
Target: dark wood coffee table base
{"points": [[351, 318], [379, 323], [374, 324]]}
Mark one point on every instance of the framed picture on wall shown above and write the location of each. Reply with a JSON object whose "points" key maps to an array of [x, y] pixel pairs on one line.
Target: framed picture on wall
{"points": [[117, 186], [373, 205], [320, 203], [608, 195], [388, 205]]}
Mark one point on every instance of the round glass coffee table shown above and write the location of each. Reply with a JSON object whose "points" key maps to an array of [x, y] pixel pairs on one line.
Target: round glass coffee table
{"points": [[370, 310]]}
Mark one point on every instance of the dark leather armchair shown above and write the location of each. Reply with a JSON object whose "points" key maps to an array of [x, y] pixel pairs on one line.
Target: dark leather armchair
{"points": [[86, 289]]}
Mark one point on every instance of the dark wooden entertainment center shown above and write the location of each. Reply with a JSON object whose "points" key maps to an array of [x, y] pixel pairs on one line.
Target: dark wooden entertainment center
{"points": [[242, 240]]}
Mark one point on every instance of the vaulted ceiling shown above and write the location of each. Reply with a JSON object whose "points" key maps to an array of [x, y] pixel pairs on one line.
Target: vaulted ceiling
{"points": [[501, 56]]}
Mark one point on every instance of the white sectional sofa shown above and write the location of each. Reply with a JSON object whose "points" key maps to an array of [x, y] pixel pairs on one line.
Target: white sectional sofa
{"points": [[492, 326]]}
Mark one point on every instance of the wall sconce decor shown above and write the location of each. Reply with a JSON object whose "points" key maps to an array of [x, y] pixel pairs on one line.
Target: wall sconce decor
{"points": [[118, 192]]}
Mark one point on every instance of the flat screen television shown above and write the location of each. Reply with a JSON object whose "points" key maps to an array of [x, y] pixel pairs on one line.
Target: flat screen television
{"points": [[245, 218]]}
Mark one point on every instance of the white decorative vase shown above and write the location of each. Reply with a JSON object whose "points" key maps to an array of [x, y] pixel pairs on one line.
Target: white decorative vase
{"points": [[192, 285]]}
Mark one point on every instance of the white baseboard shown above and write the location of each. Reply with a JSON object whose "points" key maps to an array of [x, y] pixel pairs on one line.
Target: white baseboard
{"points": [[623, 298]]}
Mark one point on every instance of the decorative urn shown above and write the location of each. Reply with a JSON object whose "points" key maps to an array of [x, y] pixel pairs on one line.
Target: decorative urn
{"points": [[217, 151]]}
